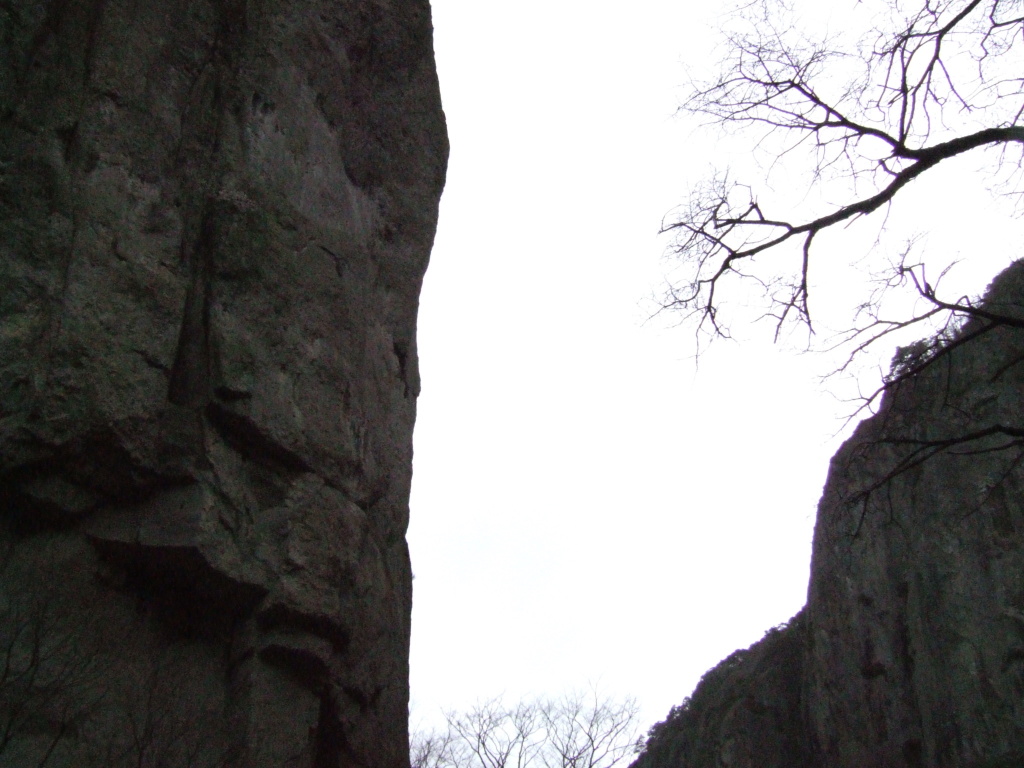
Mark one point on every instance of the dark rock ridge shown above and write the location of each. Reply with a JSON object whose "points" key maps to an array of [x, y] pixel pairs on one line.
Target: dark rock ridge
{"points": [[214, 220], [910, 650]]}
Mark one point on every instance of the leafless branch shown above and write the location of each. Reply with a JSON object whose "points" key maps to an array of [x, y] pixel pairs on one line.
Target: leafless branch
{"points": [[579, 730], [914, 105], [922, 450]]}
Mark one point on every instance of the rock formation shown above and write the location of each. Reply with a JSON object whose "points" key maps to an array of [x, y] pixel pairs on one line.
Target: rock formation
{"points": [[214, 220], [910, 650]]}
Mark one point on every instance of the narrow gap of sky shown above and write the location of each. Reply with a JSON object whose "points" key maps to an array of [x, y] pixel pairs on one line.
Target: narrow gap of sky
{"points": [[589, 507]]}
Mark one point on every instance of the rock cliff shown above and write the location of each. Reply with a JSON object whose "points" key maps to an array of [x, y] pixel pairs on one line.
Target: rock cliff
{"points": [[214, 220], [910, 650]]}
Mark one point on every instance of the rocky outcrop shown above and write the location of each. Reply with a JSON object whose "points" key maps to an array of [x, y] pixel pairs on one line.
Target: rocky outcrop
{"points": [[910, 651], [214, 220], [741, 712]]}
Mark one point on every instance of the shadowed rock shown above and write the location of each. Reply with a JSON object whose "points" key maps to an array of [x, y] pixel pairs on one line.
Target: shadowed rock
{"points": [[214, 221], [910, 651]]}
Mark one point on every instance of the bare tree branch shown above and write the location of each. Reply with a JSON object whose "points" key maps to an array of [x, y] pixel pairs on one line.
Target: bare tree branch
{"points": [[922, 450], [579, 730], [943, 84]]}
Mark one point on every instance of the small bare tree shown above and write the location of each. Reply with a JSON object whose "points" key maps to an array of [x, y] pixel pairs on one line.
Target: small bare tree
{"points": [[586, 731], [493, 735], [432, 750], [162, 720], [861, 121], [48, 669], [64, 697], [579, 730]]}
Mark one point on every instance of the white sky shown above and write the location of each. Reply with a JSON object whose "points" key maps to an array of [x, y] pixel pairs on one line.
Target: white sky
{"points": [[588, 506]]}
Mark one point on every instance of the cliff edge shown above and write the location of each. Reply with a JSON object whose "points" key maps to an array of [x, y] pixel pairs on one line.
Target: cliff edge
{"points": [[215, 216], [910, 650]]}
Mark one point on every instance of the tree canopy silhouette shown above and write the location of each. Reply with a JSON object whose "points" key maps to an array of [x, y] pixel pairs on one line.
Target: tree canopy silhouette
{"points": [[578, 730]]}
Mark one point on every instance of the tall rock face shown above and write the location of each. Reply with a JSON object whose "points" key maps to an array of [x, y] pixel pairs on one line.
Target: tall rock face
{"points": [[214, 220], [910, 651]]}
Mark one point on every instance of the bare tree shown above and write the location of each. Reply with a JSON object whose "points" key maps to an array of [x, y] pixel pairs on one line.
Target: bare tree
{"points": [[432, 750], [585, 731], [493, 735], [861, 120], [163, 720], [48, 670], [64, 700], [579, 730]]}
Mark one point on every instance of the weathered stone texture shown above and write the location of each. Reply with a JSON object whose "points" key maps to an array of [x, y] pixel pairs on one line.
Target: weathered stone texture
{"points": [[911, 647], [741, 712], [214, 220]]}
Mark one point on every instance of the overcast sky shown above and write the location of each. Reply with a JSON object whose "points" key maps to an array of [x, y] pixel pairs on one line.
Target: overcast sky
{"points": [[589, 506]]}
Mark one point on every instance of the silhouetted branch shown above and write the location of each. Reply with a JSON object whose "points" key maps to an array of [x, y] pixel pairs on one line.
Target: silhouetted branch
{"points": [[923, 450], [913, 106], [579, 730]]}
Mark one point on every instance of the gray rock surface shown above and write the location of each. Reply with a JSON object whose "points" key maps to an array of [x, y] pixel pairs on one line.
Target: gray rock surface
{"points": [[741, 712], [910, 651], [214, 220]]}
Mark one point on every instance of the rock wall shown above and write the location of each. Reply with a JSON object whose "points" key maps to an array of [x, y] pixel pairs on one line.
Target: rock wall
{"points": [[910, 651], [741, 712], [214, 220]]}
